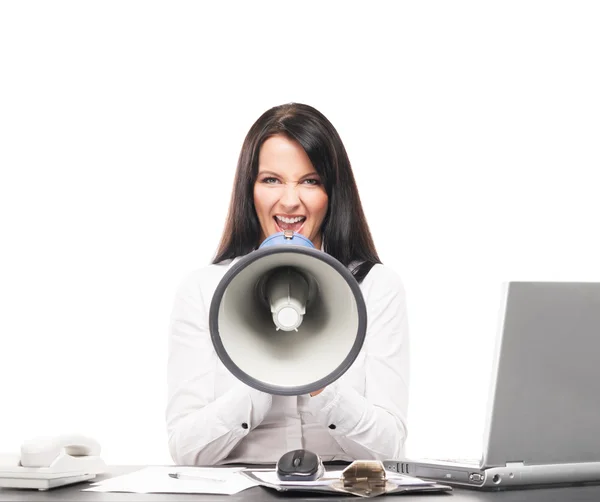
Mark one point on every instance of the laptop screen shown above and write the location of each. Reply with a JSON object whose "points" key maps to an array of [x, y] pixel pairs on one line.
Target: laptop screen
{"points": [[546, 394]]}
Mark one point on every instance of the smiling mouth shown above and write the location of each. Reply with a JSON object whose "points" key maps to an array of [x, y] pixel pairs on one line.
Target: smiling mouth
{"points": [[295, 226]]}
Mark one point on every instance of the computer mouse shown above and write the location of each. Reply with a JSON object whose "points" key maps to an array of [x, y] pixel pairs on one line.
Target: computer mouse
{"points": [[299, 465]]}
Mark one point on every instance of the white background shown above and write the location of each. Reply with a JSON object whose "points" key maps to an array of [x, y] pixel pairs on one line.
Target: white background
{"points": [[473, 129]]}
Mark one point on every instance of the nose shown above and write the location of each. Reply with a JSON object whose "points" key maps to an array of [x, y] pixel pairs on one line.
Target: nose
{"points": [[289, 197]]}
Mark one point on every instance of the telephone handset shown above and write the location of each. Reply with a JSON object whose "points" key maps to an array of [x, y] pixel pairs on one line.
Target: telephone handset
{"points": [[47, 462]]}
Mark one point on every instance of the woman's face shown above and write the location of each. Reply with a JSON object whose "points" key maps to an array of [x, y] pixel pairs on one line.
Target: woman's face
{"points": [[288, 194]]}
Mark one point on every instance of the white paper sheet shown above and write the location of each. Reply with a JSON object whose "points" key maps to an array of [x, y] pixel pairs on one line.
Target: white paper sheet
{"points": [[218, 480]]}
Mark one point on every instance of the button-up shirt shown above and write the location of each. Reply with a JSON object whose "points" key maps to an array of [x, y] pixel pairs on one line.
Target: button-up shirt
{"points": [[213, 418]]}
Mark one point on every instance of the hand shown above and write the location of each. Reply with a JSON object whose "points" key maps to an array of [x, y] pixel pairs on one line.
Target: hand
{"points": [[317, 392]]}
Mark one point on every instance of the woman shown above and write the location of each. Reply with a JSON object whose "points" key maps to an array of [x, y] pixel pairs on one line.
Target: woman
{"points": [[293, 173]]}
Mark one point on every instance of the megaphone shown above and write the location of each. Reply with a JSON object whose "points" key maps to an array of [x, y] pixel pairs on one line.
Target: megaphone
{"points": [[287, 319]]}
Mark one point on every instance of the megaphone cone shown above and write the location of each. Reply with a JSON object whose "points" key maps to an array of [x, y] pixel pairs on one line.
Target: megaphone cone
{"points": [[287, 319]]}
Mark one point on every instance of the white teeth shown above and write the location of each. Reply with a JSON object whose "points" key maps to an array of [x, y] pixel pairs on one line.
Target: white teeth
{"points": [[290, 220]]}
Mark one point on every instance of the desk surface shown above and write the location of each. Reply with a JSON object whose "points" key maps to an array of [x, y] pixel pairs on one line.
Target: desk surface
{"points": [[74, 493]]}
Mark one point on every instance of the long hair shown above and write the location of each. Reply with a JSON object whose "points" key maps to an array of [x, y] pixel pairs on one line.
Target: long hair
{"points": [[346, 234]]}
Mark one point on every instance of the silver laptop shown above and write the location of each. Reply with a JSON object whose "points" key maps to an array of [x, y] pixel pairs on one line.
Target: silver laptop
{"points": [[543, 420]]}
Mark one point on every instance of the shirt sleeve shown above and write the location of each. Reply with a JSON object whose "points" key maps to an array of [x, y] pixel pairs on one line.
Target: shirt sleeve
{"points": [[373, 425], [202, 429]]}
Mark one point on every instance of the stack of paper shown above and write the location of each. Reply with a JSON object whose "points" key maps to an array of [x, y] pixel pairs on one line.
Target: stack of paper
{"points": [[269, 476], [230, 480]]}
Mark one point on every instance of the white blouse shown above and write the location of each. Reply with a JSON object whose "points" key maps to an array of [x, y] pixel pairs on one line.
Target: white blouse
{"points": [[213, 418]]}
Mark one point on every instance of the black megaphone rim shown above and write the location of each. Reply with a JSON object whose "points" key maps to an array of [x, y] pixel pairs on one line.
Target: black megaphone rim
{"points": [[244, 262]]}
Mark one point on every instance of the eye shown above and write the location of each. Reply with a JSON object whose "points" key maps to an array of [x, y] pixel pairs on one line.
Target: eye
{"points": [[312, 181], [269, 180]]}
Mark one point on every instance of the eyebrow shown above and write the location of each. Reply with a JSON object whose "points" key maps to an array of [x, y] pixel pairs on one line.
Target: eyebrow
{"points": [[271, 173]]}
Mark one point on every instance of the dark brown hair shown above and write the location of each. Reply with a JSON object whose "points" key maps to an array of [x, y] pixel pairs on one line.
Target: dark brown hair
{"points": [[346, 234]]}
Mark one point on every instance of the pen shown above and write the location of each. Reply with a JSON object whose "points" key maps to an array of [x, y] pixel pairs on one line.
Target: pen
{"points": [[196, 477]]}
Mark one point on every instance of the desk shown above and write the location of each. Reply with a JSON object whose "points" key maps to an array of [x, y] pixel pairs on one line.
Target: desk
{"points": [[74, 493]]}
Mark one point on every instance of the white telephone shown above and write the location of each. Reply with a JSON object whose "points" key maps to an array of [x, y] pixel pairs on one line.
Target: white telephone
{"points": [[48, 462]]}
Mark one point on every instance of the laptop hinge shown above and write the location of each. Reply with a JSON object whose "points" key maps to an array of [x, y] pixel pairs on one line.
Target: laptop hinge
{"points": [[515, 464]]}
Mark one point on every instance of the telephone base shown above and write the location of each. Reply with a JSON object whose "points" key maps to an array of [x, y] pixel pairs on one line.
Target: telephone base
{"points": [[41, 483]]}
